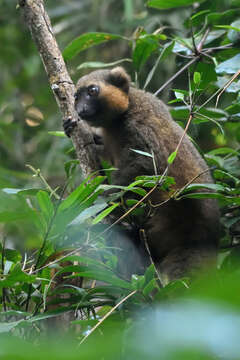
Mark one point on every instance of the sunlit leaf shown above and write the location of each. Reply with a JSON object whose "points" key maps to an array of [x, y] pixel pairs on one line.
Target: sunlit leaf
{"points": [[172, 157]]}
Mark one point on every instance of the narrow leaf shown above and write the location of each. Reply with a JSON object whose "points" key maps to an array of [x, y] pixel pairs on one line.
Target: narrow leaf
{"points": [[57, 133], [104, 213], [45, 204], [167, 4], [171, 157], [142, 153]]}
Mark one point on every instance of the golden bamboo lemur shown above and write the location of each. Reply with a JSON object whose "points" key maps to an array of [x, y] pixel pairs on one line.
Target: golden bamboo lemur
{"points": [[181, 234]]}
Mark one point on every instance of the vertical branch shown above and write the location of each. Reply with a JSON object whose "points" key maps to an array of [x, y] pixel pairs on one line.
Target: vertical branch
{"points": [[61, 84]]}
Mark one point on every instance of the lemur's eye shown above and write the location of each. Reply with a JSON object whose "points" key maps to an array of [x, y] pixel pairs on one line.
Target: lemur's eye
{"points": [[93, 90], [75, 95]]}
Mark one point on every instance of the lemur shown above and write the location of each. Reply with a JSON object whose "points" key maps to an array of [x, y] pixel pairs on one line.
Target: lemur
{"points": [[181, 235]]}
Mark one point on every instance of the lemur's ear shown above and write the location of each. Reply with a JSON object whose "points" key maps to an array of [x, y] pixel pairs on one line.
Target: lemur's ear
{"points": [[118, 77]]}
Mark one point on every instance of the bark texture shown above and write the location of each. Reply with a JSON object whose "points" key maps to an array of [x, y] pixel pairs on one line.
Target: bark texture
{"points": [[61, 84]]}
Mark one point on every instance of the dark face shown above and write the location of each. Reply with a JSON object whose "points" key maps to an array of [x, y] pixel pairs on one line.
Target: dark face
{"points": [[102, 97], [87, 102]]}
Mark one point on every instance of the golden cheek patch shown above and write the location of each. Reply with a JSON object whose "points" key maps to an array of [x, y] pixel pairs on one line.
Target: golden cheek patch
{"points": [[116, 99]]}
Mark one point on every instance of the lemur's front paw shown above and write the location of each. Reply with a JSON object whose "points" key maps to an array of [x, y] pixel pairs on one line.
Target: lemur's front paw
{"points": [[68, 126]]}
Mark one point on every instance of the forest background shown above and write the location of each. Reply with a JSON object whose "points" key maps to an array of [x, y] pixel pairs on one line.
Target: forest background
{"points": [[46, 208]]}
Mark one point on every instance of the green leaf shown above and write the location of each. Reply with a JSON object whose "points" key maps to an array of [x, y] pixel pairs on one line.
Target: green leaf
{"points": [[15, 313], [234, 87], [85, 260], [81, 192], [86, 41], [225, 199], [200, 13], [89, 212], [225, 17], [98, 274], [179, 112], [16, 276], [138, 191], [208, 73], [149, 287], [14, 191], [145, 45], [196, 77], [179, 95], [101, 65], [216, 187], [9, 216], [57, 133], [11, 190], [70, 167], [137, 282], [171, 157], [104, 213], [233, 33], [12, 255], [45, 204], [224, 151], [221, 175], [131, 202], [227, 27], [66, 216], [214, 113], [167, 49], [230, 66], [6, 327], [167, 4], [142, 153]]}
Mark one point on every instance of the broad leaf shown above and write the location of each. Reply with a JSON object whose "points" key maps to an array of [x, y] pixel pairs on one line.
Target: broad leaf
{"points": [[86, 41], [230, 66], [98, 64], [45, 204], [145, 46]]}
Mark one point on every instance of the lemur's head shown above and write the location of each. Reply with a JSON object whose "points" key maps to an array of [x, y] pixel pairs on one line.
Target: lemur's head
{"points": [[102, 96]]}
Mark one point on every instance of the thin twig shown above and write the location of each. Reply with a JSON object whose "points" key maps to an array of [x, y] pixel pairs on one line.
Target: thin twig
{"points": [[144, 238], [227, 85], [178, 192], [184, 133], [37, 172], [193, 41], [202, 41], [177, 74], [210, 98]]}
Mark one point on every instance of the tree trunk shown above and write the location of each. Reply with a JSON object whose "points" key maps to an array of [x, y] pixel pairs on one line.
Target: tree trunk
{"points": [[61, 84]]}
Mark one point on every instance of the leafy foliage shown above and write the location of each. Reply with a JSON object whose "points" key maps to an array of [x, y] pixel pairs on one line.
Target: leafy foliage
{"points": [[55, 257]]}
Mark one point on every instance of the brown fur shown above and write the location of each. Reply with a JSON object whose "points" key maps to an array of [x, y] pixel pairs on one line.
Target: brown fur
{"points": [[136, 119], [115, 98]]}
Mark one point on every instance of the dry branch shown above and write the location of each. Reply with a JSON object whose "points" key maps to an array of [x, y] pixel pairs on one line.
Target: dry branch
{"points": [[61, 84]]}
